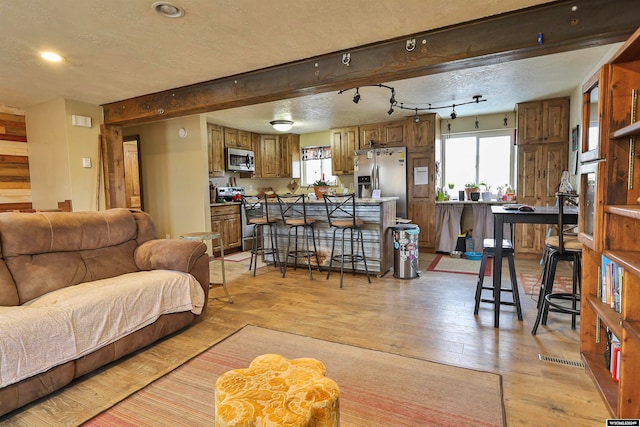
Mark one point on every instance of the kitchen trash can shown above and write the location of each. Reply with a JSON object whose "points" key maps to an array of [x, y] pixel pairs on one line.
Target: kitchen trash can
{"points": [[405, 254]]}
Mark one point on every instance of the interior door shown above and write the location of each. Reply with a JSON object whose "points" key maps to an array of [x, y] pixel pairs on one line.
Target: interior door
{"points": [[132, 177]]}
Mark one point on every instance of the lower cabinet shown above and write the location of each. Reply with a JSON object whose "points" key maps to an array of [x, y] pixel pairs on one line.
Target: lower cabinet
{"points": [[226, 219]]}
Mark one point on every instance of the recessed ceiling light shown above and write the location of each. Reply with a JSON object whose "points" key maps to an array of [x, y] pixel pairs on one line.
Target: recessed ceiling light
{"points": [[51, 57], [168, 9]]}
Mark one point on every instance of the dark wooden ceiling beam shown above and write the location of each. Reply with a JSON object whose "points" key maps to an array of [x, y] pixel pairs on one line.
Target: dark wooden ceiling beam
{"points": [[495, 39]]}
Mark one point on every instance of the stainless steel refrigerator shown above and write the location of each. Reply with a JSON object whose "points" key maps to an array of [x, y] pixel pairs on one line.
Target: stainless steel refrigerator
{"points": [[383, 169]]}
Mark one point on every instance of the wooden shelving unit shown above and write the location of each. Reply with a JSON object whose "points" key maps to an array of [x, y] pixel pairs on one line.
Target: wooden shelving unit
{"points": [[618, 222]]}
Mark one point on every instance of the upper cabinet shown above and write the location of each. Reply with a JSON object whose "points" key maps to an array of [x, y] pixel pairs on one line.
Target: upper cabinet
{"points": [[235, 138], [279, 156], [343, 144], [390, 134], [544, 121], [215, 145]]}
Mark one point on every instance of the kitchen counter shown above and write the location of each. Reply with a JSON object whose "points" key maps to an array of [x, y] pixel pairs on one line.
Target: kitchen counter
{"points": [[378, 215]]}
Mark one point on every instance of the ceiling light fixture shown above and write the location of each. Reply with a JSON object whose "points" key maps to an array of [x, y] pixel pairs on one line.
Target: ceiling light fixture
{"points": [[453, 114], [416, 118], [168, 9], [51, 57], [281, 125]]}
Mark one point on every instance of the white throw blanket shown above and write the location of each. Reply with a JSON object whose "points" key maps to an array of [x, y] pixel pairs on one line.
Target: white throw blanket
{"points": [[74, 321]]}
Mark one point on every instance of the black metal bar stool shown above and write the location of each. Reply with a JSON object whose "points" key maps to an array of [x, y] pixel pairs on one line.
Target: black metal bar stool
{"points": [[562, 247], [293, 210], [489, 252], [341, 212], [256, 213]]}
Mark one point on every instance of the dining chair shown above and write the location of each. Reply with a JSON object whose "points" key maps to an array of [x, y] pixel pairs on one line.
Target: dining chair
{"points": [[564, 246], [341, 213]]}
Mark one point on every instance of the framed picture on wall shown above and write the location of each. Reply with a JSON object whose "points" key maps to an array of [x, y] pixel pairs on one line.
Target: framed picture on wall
{"points": [[574, 138]]}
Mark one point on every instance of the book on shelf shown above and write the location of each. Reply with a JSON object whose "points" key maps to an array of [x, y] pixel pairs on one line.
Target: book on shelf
{"points": [[611, 283], [614, 364]]}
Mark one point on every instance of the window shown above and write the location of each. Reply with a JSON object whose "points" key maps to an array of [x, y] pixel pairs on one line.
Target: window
{"points": [[316, 165], [483, 157]]}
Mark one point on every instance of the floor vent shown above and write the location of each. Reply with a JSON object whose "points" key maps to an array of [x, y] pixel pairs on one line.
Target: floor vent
{"points": [[552, 359]]}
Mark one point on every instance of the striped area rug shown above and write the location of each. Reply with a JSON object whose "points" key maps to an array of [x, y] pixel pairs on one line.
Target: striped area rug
{"points": [[376, 388]]}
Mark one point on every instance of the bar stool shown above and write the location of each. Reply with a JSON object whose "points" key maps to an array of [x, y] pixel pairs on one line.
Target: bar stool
{"points": [[489, 252], [341, 212], [293, 210], [256, 212], [208, 235], [562, 247]]}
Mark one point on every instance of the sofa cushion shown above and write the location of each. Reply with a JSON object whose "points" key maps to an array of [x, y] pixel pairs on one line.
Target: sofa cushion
{"points": [[41, 232], [8, 291], [36, 275]]}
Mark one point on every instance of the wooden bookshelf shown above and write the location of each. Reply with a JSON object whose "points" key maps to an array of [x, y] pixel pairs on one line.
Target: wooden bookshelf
{"points": [[618, 192]]}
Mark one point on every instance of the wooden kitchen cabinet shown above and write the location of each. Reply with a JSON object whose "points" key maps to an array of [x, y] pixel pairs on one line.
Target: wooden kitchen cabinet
{"points": [[423, 135], [369, 133], [394, 134], [343, 145], [255, 147], [280, 156], [543, 154], [540, 169], [215, 150], [545, 121], [235, 138], [225, 219], [389, 134]]}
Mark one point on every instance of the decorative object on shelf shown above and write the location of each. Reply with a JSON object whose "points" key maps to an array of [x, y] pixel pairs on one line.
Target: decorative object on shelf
{"points": [[281, 125], [393, 103], [320, 187]]}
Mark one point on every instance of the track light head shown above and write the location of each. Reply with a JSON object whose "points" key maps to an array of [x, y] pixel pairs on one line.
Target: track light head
{"points": [[453, 113], [416, 118], [356, 97], [390, 112]]}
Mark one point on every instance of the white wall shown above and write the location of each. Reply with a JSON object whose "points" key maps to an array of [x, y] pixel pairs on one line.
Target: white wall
{"points": [[175, 174]]}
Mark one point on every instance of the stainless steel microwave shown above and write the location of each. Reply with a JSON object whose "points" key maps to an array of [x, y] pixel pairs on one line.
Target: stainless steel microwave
{"points": [[240, 160]]}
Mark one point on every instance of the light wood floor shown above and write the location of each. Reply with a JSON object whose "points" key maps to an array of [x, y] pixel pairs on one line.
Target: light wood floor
{"points": [[430, 317]]}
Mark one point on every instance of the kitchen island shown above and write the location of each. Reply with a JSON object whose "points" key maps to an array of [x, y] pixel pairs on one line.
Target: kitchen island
{"points": [[377, 214]]}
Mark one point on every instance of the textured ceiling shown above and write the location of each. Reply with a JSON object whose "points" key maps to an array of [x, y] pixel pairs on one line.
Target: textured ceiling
{"points": [[120, 49]]}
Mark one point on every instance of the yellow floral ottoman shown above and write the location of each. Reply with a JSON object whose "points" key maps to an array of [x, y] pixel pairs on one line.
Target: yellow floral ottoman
{"points": [[276, 391]]}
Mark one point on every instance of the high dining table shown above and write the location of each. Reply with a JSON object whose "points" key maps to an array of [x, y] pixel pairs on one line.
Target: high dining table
{"points": [[503, 215]]}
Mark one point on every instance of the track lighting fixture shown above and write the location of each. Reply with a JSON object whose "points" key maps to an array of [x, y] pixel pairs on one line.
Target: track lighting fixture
{"points": [[394, 103], [506, 121], [477, 123], [356, 97]]}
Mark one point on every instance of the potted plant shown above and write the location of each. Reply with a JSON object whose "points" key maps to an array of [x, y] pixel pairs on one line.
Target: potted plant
{"points": [[486, 194], [320, 187], [472, 188]]}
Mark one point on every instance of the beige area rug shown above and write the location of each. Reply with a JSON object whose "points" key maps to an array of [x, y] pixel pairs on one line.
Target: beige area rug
{"points": [[238, 256], [376, 388], [446, 264]]}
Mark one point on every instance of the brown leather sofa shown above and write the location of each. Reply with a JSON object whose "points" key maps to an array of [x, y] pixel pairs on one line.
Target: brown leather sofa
{"points": [[46, 251]]}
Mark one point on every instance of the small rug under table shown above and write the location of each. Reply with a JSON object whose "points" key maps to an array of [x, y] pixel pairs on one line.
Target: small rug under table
{"points": [[376, 388]]}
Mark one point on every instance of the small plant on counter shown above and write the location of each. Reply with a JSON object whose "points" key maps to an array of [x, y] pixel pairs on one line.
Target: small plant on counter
{"points": [[320, 183]]}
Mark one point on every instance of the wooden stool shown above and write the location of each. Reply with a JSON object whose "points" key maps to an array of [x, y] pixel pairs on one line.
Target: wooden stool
{"points": [[275, 391], [208, 235]]}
